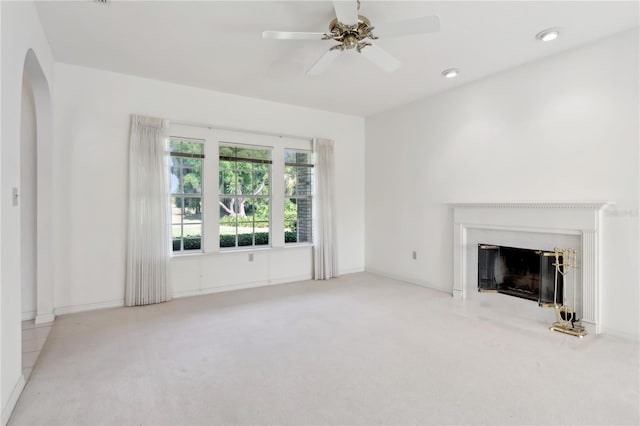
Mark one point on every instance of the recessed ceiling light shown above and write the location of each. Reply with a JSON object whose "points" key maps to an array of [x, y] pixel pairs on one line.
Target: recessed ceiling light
{"points": [[450, 73], [548, 34]]}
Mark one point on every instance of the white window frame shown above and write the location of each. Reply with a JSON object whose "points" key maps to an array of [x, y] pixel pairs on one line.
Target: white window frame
{"points": [[270, 197], [311, 195], [212, 138], [200, 195]]}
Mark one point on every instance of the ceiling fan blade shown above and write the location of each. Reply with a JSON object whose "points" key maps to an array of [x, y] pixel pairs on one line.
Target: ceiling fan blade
{"points": [[323, 63], [346, 11], [381, 58], [424, 25], [291, 35]]}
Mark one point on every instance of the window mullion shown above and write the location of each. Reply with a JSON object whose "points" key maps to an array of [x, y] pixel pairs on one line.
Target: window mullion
{"points": [[210, 197], [277, 197], [181, 220]]}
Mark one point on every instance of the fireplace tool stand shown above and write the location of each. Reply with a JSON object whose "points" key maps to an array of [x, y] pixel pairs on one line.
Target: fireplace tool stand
{"points": [[566, 319]]}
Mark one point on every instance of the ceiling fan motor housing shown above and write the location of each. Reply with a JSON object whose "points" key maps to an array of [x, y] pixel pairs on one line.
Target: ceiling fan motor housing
{"points": [[351, 31], [351, 36]]}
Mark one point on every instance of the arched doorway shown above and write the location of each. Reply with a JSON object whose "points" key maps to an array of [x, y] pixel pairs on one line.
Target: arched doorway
{"points": [[36, 192], [28, 200]]}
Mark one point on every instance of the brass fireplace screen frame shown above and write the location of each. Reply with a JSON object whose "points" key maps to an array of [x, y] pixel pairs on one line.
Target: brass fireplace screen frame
{"points": [[536, 275], [534, 278]]}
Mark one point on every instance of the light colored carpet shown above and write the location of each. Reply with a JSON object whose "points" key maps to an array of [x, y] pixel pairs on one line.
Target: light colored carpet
{"points": [[360, 349]]}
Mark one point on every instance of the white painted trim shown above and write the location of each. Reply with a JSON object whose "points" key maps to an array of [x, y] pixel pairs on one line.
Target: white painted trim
{"points": [[621, 335], [242, 286], [543, 230], [63, 310], [7, 410], [196, 292], [590, 205], [396, 277], [570, 218], [238, 250], [186, 293], [590, 326], [28, 316], [351, 271], [45, 319], [287, 280]]}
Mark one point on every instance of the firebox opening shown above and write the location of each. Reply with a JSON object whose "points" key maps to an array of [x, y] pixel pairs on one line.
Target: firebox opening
{"points": [[524, 273]]}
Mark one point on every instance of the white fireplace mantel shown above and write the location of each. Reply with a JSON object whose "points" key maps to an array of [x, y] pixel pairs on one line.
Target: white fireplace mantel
{"points": [[572, 218]]}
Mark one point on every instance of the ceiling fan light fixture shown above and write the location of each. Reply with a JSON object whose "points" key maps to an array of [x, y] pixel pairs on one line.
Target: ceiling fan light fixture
{"points": [[450, 73], [351, 30], [548, 34]]}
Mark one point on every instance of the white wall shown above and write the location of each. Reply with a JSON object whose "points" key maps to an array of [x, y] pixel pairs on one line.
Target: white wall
{"points": [[565, 128], [2, 319], [21, 31], [28, 200], [92, 134]]}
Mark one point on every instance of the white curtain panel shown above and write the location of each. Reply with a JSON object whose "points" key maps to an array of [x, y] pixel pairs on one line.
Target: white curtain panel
{"points": [[324, 251], [148, 237]]}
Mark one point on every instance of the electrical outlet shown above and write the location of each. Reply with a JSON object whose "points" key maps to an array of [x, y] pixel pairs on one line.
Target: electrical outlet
{"points": [[250, 257], [414, 255]]}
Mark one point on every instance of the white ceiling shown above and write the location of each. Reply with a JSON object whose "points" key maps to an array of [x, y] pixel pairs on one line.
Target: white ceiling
{"points": [[218, 45]]}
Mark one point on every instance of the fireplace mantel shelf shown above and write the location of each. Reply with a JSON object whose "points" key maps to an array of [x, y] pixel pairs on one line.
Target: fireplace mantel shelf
{"points": [[590, 205]]}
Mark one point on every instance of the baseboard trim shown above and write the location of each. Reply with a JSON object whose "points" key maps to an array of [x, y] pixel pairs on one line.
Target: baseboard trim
{"points": [[351, 271], [620, 334], [288, 280], [7, 410], [45, 318], [28, 316], [409, 280], [242, 286], [458, 294], [64, 310], [590, 327]]}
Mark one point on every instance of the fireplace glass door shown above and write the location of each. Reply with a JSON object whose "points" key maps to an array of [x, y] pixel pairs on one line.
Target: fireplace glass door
{"points": [[525, 273]]}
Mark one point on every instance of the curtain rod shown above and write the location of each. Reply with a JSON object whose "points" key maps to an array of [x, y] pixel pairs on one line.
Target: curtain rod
{"points": [[235, 129]]}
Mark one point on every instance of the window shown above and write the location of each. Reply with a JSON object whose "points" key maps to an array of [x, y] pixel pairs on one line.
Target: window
{"points": [[223, 188], [244, 192], [186, 194], [298, 176]]}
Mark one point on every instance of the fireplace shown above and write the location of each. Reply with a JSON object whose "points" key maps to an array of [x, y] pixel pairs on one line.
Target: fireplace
{"points": [[519, 272], [533, 225]]}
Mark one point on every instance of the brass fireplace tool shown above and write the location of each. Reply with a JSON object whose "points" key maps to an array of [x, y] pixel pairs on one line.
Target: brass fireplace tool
{"points": [[566, 317]]}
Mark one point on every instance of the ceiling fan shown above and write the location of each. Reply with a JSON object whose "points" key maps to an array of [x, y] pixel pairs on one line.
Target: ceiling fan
{"points": [[353, 31]]}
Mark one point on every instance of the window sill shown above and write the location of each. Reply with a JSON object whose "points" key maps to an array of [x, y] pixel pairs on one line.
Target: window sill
{"points": [[185, 255], [291, 245], [240, 251]]}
